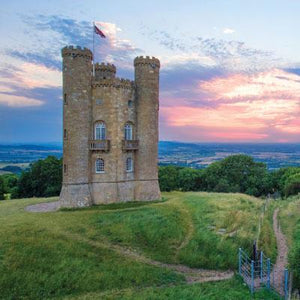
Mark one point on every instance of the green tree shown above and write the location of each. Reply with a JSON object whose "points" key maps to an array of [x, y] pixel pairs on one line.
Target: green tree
{"points": [[187, 178], [43, 179], [2, 188], [168, 178], [292, 185], [237, 173], [10, 182]]}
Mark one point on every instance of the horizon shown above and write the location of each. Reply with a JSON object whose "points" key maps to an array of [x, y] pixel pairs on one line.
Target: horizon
{"points": [[36, 143], [224, 78]]}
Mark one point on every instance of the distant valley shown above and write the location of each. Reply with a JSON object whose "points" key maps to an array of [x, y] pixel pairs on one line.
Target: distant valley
{"points": [[15, 158]]}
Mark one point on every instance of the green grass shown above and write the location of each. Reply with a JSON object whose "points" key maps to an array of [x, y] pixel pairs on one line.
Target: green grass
{"points": [[232, 289], [65, 253], [267, 240], [290, 222]]}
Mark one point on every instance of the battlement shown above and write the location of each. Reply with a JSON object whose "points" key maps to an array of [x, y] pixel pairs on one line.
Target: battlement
{"points": [[113, 82], [145, 60], [76, 52], [105, 67]]}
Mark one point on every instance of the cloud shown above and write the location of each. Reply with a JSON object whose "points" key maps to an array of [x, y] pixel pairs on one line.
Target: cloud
{"points": [[228, 30], [230, 54], [264, 106], [67, 31], [18, 101]]}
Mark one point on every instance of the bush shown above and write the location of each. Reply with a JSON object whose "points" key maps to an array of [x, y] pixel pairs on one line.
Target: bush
{"points": [[2, 189], [43, 179]]}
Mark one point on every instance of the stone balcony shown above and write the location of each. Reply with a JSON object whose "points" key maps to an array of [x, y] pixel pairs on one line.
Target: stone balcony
{"points": [[100, 145], [130, 145]]}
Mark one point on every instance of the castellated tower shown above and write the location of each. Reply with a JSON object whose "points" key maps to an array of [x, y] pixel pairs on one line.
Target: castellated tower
{"points": [[110, 131], [77, 113], [147, 105]]}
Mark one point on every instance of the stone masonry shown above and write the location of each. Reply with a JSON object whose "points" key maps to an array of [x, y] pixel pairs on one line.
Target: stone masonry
{"points": [[102, 163]]}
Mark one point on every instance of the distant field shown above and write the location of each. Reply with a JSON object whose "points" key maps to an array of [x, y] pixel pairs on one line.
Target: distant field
{"points": [[194, 155], [72, 253]]}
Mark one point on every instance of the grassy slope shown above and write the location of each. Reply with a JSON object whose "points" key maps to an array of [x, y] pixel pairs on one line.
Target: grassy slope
{"points": [[290, 222], [39, 259]]}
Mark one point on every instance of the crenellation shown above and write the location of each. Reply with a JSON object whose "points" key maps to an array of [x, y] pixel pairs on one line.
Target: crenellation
{"points": [[113, 82], [146, 60], [112, 124], [76, 52]]}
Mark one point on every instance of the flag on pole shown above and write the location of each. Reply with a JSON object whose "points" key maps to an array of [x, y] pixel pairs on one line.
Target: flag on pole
{"points": [[99, 32]]}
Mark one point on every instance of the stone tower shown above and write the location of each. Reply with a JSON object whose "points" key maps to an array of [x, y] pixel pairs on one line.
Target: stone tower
{"points": [[110, 131]]}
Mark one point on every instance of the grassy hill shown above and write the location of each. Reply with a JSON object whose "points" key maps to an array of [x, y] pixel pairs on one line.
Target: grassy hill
{"points": [[123, 250], [290, 221]]}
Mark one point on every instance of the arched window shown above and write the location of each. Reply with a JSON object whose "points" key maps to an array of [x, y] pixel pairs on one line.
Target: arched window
{"points": [[128, 132], [130, 103], [129, 164], [99, 165], [100, 131]]}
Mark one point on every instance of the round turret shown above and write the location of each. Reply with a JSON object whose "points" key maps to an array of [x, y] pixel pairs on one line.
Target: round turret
{"points": [[105, 71], [147, 105], [147, 60], [77, 52]]}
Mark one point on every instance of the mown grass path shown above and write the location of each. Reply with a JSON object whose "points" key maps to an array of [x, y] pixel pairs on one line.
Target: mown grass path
{"points": [[192, 275]]}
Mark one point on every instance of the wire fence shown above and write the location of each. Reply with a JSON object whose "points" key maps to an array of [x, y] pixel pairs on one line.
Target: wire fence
{"points": [[261, 273]]}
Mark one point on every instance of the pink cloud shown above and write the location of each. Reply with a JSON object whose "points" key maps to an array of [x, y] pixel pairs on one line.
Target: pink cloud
{"points": [[261, 107]]}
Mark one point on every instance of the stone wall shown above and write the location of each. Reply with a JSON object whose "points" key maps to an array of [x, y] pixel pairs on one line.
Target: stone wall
{"points": [[89, 99]]}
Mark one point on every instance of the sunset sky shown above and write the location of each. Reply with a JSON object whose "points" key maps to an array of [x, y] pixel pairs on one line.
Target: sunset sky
{"points": [[230, 70]]}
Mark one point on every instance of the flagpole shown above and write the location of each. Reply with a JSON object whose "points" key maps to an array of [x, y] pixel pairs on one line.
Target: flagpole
{"points": [[93, 48]]}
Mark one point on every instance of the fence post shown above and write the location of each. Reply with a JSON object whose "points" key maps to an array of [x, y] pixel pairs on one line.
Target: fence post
{"points": [[261, 266], [268, 272], [240, 261], [286, 279], [252, 276]]}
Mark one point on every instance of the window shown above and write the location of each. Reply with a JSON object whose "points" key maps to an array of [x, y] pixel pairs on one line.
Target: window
{"points": [[65, 99], [128, 132], [129, 164], [130, 103], [65, 168], [65, 133], [99, 165], [100, 131]]}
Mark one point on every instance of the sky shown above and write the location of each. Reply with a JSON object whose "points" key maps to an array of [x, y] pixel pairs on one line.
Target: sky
{"points": [[230, 69]]}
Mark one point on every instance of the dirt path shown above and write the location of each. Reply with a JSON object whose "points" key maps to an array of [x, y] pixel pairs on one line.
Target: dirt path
{"points": [[191, 275], [43, 207], [281, 262]]}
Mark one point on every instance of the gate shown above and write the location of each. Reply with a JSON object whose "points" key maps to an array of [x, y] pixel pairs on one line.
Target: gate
{"points": [[261, 273]]}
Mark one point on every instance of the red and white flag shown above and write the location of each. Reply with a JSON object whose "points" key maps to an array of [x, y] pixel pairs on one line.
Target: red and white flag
{"points": [[99, 32]]}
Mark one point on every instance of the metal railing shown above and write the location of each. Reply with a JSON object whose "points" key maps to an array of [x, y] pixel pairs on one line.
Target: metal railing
{"points": [[100, 145], [261, 273], [130, 145]]}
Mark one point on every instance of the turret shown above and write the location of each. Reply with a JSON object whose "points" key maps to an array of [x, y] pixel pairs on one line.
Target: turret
{"points": [[147, 103], [105, 71], [77, 112]]}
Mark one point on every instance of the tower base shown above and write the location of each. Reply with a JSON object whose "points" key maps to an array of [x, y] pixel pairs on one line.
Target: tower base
{"points": [[147, 190], [75, 195]]}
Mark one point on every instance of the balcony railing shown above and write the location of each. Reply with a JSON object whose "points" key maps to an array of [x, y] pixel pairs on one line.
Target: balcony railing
{"points": [[100, 145], [130, 145]]}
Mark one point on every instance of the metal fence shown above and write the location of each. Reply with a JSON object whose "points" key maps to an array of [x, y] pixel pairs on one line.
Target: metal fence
{"points": [[261, 273]]}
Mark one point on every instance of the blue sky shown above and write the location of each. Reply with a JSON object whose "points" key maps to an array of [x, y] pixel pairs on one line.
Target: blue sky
{"points": [[230, 69]]}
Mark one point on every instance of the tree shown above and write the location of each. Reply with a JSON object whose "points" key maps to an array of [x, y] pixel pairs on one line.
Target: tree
{"points": [[168, 178], [292, 185], [2, 189], [237, 173], [43, 179]]}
